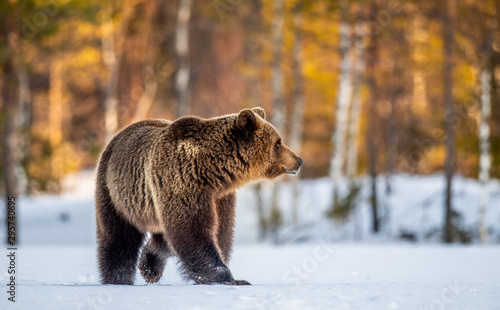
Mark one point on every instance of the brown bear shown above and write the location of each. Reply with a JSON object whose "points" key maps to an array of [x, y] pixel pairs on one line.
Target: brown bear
{"points": [[177, 181]]}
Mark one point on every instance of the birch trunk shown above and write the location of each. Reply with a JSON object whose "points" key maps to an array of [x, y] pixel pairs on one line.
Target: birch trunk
{"points": [[278, 108], [343, 100], [354, 121], [484, 149], [484, 134], [354, 124], [298, 110], [182, 51]]}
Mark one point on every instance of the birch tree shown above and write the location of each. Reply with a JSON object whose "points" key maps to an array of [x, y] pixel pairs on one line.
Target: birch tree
{"points": [[484, 134], [354, 120], [355, 111], [484, 149], [343, 100], [182, 54]]}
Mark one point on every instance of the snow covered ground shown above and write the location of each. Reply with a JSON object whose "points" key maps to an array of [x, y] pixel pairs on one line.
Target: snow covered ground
{"points": [[314, 276], [56, 262]]}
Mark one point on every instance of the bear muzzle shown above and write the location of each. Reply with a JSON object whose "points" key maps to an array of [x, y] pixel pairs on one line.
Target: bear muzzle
{"points": [[294, 171]]}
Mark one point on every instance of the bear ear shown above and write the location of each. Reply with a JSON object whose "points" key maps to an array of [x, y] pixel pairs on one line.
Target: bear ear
{"points": [[260, 111], [247, 120]]}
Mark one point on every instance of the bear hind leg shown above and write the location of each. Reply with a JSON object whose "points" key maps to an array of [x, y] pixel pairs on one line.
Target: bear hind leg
{"points": [[153, 258], [118, 246]]}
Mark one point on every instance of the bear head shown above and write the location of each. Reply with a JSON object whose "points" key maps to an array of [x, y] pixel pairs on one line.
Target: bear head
{"points": [[263, 147]]}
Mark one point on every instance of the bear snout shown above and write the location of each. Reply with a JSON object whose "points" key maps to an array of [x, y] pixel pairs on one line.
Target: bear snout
{"points": [[296, 167]]}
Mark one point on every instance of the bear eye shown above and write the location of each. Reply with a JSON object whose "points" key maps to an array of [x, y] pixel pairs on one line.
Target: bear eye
{"points": [[278, 144]]}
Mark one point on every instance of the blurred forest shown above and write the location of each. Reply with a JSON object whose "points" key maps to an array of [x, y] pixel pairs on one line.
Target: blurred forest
{"points": [[371, 87]]}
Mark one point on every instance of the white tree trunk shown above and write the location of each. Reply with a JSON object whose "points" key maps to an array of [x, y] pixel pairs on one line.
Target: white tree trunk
{"points": [[354, 124], [343, 100], [484, 149], [182, 51]]}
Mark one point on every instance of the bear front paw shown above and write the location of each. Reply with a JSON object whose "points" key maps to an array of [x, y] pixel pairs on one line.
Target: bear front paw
{"points": [[238, 282]]}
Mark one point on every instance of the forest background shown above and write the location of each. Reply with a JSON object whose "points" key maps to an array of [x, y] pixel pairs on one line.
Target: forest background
{"points": [[357, 88]]}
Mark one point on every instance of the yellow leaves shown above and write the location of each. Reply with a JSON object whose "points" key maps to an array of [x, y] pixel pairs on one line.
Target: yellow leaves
{"points": [[432, 160], [85, 29], [466, 77], [88, 56]]}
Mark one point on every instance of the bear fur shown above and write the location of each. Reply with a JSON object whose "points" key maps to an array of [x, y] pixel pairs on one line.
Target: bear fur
{"points": [[177, 181]]}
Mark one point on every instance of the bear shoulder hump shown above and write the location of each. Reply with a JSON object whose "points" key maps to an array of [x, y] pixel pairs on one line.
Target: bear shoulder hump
{"points": [[147, 123], [186, 126]]}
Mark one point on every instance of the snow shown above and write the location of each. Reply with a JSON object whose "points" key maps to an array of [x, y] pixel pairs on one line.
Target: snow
{"points": [[416, 207], [317, 265], [321, 276]]}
